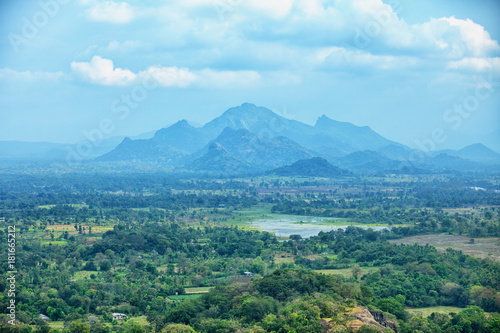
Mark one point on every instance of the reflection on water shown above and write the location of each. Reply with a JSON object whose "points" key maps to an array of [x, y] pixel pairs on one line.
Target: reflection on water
{"points": [[305, 226]]}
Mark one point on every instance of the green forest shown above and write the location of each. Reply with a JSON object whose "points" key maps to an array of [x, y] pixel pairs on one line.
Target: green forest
{"points": [[182, 254]]}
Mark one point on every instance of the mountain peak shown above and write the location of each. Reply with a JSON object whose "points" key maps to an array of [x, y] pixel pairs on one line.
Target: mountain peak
{"points": [[476, 146], [249, 109], [313, 167], [247, 105], [479, 153], [183, 123]]}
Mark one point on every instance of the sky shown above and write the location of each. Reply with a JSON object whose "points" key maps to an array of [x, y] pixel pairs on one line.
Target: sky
{"points": [[424, 73]]}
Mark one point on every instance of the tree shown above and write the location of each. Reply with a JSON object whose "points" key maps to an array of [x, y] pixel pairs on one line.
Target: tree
{"points": [[178, 328], [256, 308], [78, 326], [90, 266], [356, 272], [470, 320], [105, 265]]}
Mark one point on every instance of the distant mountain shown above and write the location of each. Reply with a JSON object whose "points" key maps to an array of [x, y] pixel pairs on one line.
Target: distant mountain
{"points": [[479, 153], [18, 150], [476, 152], [181, 136], [366, 160], [47, 151], [218, 160], [313, 167], [260, 153], [444, 162], [250, 138], [396, 152], [352, 137], [492, 140], [142, 151], [326, 138]]}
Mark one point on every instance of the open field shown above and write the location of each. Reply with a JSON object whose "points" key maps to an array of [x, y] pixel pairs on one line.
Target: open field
{"points": [[57, 325], [84, 274], [481, 248], [184, 297], [58, 243], [426, 312], [283, 258], [198, 290], [347, 272], [72, 205], [60, 228]]}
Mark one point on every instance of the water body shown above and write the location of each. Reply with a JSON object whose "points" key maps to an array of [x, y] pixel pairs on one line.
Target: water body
{"points": [[305, 226]]}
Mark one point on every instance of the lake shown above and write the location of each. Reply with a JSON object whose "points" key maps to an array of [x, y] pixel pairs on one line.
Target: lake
{"points": [[305, 226]]}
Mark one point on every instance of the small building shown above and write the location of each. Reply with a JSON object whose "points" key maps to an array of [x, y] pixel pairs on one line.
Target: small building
{"points": [[43, 317], [248, 274], [119, 316]]}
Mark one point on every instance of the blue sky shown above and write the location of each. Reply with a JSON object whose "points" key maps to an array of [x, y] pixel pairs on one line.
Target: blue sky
{"points": [[418, 72]]}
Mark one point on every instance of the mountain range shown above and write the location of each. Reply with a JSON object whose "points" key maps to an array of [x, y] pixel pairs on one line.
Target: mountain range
{"points": [[252, 139]]}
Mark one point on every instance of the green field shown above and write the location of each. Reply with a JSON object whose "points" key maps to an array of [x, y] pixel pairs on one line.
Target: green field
{"points": [[347, 272], [84, 274], [57, 325], [480, 248], [58, 243], [197, 290], [183, 297], [72, 205]]}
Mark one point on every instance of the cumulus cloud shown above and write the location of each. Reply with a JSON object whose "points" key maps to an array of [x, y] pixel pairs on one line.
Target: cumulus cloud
{"points": [[109, 11], [454, 38], [102, 71], [282, 33]]}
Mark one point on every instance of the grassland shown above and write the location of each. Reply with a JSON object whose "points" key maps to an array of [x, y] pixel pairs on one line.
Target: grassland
{"points": [[480, 248], [79, 206], [57, 243], [184, 297], [198, 290], [84, 274], [347, 272]]}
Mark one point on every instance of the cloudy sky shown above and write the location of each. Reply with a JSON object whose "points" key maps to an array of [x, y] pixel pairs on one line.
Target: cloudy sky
{"points": [[415, 71]]}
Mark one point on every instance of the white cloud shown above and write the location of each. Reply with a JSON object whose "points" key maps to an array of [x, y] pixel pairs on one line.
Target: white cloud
{"points": [[109, 11], [10, 74], [170, 76], [276, 9], [454, 38], [101, 71], [342, 58], [476, 38], [476, 64]]}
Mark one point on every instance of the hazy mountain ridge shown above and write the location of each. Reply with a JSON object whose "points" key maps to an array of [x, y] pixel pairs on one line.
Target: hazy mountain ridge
{"points": [[251, 139], [476, 152], [313, 167]]}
